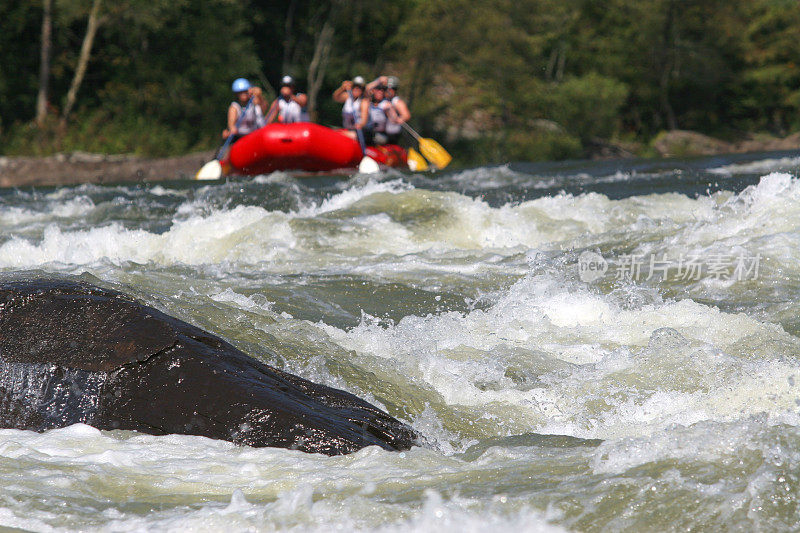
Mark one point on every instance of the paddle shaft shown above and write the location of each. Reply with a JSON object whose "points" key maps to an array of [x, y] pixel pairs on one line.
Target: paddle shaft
{"points": [[416, 136], [411, 131]]}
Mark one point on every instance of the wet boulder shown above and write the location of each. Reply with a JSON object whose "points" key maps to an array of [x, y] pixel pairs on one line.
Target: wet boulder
{"points": [[73, 352]]}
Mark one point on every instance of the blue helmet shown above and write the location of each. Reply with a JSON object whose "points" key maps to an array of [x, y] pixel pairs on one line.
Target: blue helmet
{"points": [[240, 85]]}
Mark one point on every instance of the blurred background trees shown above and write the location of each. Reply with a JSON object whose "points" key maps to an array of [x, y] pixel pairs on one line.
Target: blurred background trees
{"points": [[497, 79]]}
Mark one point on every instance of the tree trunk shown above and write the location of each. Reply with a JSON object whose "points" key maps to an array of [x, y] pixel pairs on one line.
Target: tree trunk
{"points": [[319, 65], [288, 40], [83, 60], [668, 66], [44, 65]]}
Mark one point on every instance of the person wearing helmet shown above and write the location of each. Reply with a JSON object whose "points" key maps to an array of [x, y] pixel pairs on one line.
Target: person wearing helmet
{"points": [[375, 113], [380, 80], [253, 117], [289, 106], [349, 94], [401, 115]]}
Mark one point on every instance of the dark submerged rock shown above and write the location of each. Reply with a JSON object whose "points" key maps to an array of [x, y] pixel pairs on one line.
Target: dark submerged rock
{"points": [[72, 352]]}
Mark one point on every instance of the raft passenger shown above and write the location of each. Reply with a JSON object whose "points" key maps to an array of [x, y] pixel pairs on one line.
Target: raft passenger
{"points": [[375, 113], [290, 106], [349, 94], [254, 118], [380, 80], [394, 126]]}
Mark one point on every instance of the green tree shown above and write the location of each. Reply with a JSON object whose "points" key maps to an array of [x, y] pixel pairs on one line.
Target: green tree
{"points": [[524, 79], [19, 60], [770, 82], [505, 68]]}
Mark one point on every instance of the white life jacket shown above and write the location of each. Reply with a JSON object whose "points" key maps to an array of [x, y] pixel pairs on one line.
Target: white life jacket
{"points": [[290, 112], [252, 120], [393, 127], [351, 112], [377, 116]]}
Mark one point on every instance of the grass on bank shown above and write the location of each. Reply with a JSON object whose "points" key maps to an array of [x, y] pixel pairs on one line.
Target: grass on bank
{"points": [[103, 134]]}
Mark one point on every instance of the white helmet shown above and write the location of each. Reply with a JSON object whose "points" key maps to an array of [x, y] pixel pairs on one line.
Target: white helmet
{"points": [[287, 80], [358, 80]]}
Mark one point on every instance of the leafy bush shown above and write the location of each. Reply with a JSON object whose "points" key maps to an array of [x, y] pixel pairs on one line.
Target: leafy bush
{"points": [[587, 106], [517, 145], [98, 132]]}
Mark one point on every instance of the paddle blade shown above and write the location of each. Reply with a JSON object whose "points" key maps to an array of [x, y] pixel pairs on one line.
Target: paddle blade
{"points": [[434, 152], [416, 162], [368, 166], [210, 171]]}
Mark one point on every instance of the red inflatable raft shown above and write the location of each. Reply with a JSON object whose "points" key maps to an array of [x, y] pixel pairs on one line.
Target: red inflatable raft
{"points": [[304, 146]]}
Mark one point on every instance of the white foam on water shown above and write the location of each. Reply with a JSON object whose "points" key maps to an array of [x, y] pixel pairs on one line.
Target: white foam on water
{"points": [[296, 511], [553, 357], [763, 166], [273, 177], [112, 243], [753, 235], [11, 519], [697, 407], [768, 208], [487, 178], [160, 190], [14, 216], [247, 234], [200, 484], [77, 207], [256, 302], [376, 218], [742, 473], [350, 196]]}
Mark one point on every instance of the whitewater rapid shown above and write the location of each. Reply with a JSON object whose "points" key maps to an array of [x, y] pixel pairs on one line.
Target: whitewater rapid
{"points": [[661, 397]]}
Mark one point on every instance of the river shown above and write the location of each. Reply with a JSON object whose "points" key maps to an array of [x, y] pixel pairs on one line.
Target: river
{"points": [[586, 346]]}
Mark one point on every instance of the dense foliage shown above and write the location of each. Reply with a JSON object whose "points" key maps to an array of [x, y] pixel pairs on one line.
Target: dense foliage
{"points": [[497, 79]]}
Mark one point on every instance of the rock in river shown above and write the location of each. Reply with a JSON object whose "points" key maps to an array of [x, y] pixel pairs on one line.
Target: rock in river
{"points": [[72, 352]]}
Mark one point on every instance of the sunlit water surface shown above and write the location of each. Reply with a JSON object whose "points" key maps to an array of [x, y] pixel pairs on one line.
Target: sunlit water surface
{"points": [[592, 346]]}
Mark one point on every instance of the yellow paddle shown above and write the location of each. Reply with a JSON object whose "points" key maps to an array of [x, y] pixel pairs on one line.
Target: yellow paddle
{"points": [[432, 150], [416, 162]]}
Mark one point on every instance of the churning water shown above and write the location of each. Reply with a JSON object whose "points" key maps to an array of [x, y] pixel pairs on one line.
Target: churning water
{"points": [[585, 346]]}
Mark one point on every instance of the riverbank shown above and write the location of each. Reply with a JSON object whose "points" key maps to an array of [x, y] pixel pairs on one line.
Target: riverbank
{"points": [[682, 143], [81, 167]]}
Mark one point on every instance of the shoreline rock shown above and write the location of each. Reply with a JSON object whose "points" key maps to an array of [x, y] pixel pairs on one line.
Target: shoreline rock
{"points": [[81, 167], [683, 143]]}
